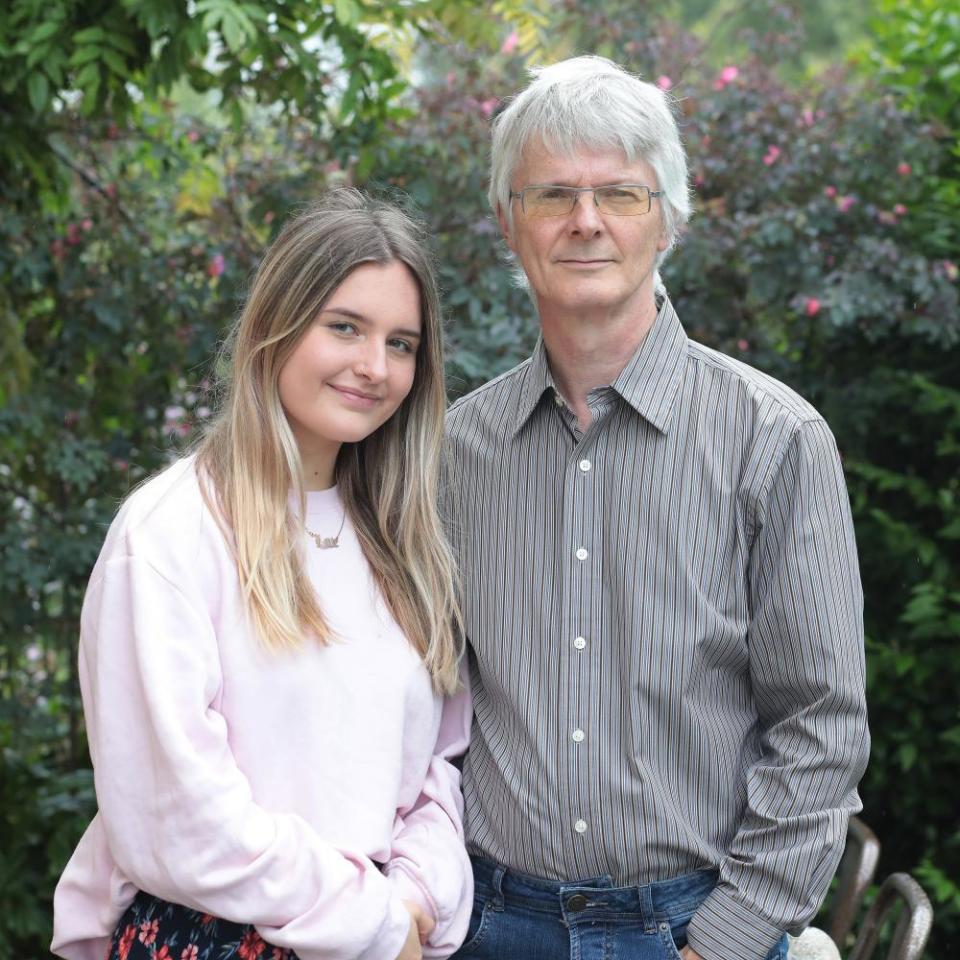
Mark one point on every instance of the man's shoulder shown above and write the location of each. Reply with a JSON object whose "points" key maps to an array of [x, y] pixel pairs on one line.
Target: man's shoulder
{"points": [[768, 395], [487, 399]]}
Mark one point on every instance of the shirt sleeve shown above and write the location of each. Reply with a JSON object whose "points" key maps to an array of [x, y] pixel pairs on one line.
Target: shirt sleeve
{"points": [[807, 677], [428, 861], [179, 816]]}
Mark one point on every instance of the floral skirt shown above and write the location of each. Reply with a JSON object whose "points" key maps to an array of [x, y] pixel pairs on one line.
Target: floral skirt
{"points": [[153, 929]]}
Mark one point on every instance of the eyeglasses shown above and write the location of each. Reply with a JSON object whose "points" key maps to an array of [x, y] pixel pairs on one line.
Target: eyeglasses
{"points": [[619, 199]]}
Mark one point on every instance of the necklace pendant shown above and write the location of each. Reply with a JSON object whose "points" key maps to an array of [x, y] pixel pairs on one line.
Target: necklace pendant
{"points": [[327, 543]]}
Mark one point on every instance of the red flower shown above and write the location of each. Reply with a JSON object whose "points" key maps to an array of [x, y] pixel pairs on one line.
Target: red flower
{"points": [[812, 306], [148, 932], [126, 941], [163, 953], [189, 953], [251, 946], [279, 954]]}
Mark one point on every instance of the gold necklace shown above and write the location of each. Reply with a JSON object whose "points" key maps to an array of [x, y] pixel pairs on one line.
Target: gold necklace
{"points": [[327, 543]]}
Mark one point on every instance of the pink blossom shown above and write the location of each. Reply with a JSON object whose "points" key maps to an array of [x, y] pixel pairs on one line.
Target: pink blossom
{"points": [[451, 79], [664, 82], [190, 952], [899, 209], [73, 234], [268, 216], [86, 224], [148, 932], [812, 306], [698, 180], [951, 270], [904, 169], [193, 136], [807, 118], [216, 266], [772, 155], [845, 203], [743, 344], [510, 42], [488, 106], [830, 192], [726, 76]]}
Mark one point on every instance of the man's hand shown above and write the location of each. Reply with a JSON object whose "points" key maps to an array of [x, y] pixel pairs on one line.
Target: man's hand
{"points": [[688, 953], [421, 927]]}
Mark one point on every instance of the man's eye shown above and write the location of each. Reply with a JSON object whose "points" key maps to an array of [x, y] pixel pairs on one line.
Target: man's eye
{"points": [[622, 193], [555, 193]]}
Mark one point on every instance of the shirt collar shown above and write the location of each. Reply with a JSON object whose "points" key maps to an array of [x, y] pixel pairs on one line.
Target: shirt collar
{"points": [[649, 382]]}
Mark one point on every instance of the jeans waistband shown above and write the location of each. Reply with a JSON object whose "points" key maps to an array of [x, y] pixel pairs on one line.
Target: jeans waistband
{"points": [[657, 902]]}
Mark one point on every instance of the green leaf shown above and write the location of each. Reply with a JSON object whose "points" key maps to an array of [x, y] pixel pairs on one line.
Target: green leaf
{"points": [[347, 12], [85, 54], [38, 88], [90, 35], [45, 31]]}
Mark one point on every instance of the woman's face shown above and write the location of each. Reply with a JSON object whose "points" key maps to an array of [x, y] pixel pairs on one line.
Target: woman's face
{"points": [[355, 365]]}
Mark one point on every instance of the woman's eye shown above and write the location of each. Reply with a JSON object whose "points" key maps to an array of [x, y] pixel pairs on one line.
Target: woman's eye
{"points": [[404, 346], [341, 326]]}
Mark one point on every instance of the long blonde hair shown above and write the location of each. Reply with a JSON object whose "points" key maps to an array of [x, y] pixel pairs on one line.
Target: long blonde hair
{"points": [[387, 481]]}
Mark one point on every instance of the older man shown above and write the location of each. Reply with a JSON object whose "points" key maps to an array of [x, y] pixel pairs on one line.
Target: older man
{"points": [[661, 587]]}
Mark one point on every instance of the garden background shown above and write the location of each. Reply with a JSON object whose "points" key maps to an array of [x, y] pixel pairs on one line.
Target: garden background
{"points": [[149, 149]]}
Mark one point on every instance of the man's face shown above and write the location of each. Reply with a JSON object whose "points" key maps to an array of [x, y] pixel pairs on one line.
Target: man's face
{"points": [[586, 261]]}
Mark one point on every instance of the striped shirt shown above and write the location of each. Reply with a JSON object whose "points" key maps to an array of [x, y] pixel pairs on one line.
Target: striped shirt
{"points": [[665, 617]]}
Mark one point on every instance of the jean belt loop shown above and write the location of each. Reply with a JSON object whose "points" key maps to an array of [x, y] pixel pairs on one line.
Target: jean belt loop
{"points": [[645, 896], [496, 882]]}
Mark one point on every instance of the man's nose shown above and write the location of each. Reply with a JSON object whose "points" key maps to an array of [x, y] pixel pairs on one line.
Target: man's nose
{"points": [[585, 218]]}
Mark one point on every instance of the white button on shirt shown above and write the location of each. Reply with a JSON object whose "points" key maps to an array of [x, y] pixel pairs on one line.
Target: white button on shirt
{"points": [[579, 643], [577, 736], [580, 826], [582, 553], [585, 465]]}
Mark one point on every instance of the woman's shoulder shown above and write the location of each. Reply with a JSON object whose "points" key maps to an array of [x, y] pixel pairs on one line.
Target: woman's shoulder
{"points": [[168, 521]]}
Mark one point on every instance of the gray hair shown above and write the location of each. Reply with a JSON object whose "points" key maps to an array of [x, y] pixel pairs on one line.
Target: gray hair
{"points": [[592, 102]]}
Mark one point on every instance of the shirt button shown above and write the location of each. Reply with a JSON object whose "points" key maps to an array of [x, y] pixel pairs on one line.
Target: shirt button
{"points": [[558, 400], [582, 553], [580, 826], [585, 465], [577, 735], [579, 643]]}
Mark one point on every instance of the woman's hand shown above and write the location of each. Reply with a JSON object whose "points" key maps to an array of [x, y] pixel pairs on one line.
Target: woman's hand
{"points": [[421, 926]]}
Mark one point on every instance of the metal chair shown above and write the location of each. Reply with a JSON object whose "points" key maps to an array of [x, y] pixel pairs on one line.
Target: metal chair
{"points": [[912, 927], [855, 874]]}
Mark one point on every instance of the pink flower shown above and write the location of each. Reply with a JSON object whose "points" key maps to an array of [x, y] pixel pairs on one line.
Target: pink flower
{"points": [[743, 344], [904, 169], [698, 180], [830, 192], [726, 76], [216, 266], [488, 106], [193, 136], [73, 234], [162, 954], [807, 118], [772, 155], [812, 306], [510, 42], [951, 270], [251, 946], [664, 82], [148, 932], [126, 941], [451, 79], [86, 224], [190, 953], [845, 203], [899, 209]]}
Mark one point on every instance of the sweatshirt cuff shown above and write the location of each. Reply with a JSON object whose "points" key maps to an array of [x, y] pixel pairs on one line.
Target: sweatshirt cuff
{"points": [[723, 929], [392, 934], [406, 886]]}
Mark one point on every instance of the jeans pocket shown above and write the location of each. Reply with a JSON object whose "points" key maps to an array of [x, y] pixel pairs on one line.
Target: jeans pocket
{"points": [[477, 928], [670, 950]]}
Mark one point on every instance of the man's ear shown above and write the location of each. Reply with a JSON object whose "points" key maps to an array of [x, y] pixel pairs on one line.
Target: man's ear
{"points": [[505, 227]]}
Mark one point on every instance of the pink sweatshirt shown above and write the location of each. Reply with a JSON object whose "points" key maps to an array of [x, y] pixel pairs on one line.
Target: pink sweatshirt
{"points": [[307, 792]]}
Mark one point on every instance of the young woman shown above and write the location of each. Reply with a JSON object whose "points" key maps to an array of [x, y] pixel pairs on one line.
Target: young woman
{"points": [[268, 635]]}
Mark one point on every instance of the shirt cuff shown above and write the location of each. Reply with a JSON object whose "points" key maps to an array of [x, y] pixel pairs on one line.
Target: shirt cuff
{"points": [[392, 934], [723, 929]]}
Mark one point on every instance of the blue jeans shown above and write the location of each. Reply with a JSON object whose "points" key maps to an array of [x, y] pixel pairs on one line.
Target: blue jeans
{"points": [[518, 917]]}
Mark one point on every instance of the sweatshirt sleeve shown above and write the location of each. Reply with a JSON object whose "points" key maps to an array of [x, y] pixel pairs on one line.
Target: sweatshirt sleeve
{"points": [[428, 861], [179, 815]]}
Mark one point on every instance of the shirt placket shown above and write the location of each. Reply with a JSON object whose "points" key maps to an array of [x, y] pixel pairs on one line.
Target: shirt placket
{"points": [[583, 574]]}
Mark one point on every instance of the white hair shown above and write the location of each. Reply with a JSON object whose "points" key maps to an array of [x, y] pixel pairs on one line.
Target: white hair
{"points": [[592, 102]]}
